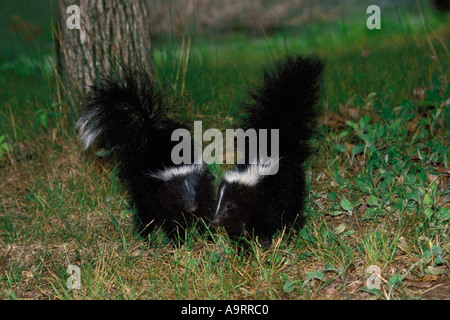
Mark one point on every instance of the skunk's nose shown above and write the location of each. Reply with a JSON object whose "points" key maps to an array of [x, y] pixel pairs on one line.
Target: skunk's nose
{"points": [[216, 221], [191, 208]]}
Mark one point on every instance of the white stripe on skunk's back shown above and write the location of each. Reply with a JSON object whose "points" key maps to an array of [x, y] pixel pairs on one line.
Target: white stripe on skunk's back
{"points": [[220, 199], [178, 171], [88, 128], [254, 173]]}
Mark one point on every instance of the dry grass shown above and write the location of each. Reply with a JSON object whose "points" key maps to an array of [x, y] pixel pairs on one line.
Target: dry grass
{"points": [[77, 216]]}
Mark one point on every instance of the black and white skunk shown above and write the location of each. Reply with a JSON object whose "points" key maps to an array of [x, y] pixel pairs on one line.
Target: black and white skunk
{"points": [[127, 115], [250, 202]]}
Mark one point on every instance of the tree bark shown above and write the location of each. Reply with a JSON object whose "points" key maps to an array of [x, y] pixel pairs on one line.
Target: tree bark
{"points": [[111, 33]]}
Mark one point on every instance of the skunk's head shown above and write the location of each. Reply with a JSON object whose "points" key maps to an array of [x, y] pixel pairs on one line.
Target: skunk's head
{"points": [[237, 195], [178, 191], [235, 206]]}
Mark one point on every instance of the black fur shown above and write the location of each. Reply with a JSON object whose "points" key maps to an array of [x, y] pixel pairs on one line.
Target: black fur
{"points": [[285, 101], [442, 5], [129, 116]]}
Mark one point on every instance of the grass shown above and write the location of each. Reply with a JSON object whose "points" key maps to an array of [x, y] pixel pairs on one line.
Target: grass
{"points": [[379, 181]]}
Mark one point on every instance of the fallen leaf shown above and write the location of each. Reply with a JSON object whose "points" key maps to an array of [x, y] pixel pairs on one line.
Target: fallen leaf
{"points": [[340, 228], [353, 113], [422, 285], [331, 290], [333, 120], [434, 271], [433, 178], [248, 292], [425, 282], [443, 200], [412, 126], [419, 94]]}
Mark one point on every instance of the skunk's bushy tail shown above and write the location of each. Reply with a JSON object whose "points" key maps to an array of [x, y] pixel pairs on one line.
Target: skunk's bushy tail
{"points": [[127, 115], [287, 101]]}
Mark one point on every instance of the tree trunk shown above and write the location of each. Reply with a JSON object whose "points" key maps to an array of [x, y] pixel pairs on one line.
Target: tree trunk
{"points": [[111, 33]]}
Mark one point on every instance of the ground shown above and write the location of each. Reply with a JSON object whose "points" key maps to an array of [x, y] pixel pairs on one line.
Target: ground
{"points": [[379, 180]]}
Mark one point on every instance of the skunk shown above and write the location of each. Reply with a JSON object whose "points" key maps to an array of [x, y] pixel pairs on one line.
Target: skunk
{"points": [[128, 116], [252, 201], [442, 5]]}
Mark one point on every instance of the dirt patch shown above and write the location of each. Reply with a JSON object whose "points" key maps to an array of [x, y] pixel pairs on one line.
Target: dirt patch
{"points": [[438, 292]]}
